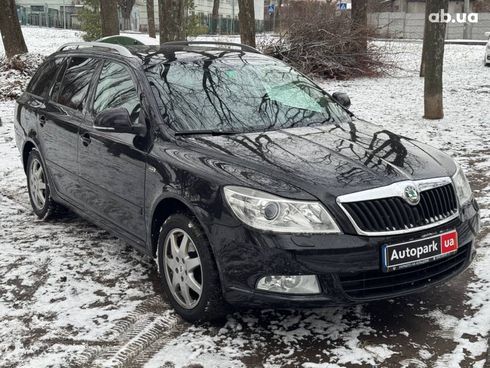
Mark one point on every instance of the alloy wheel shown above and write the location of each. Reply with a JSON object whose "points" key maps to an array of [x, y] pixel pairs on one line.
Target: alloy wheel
{"points": [[37, 184], [182, 267]]}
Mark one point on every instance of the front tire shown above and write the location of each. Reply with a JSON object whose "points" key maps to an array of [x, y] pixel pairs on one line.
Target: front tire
{"points": [[42, 203], [187, 270]]}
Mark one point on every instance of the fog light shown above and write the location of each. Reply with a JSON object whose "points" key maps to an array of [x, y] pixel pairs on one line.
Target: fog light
{"points": [[304, 284]]}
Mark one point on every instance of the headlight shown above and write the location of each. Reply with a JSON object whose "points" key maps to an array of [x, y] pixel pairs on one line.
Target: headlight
{"points": [[266, 211], [463, 189]]}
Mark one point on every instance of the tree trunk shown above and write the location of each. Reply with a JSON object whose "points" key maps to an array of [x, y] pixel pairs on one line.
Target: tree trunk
{"points": [[180, 19], [215, 17], [424, 46], [126, 8], [246, 17], [277, 15], [436, 34], [172, 20], [150, 9], [359, 22], [163, 16], [13, 40], [109, 18]]}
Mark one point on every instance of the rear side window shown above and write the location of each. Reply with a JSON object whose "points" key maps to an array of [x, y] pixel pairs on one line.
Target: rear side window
{"points": [[42, 81], [59, 78], [116, 88], [76, 82]]}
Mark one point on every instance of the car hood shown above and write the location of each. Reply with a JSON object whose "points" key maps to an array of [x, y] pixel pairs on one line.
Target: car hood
{"points": [[331, 160]]}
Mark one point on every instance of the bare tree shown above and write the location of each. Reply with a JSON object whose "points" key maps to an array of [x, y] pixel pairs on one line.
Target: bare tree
{"points": [[13, 40], [359, 21], [150, 9], [434, 41], [215, 16], [425, 50], [172, 20], [319, 41], [277, 16], [246, 16], [109, 18], [164, 13], [126, 7]]}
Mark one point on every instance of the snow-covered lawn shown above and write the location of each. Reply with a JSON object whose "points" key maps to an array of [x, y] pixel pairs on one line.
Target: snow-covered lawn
{"points": [[72, 295]]}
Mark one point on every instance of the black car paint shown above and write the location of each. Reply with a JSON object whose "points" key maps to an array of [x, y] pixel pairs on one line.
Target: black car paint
{"points": [[122, 181]]}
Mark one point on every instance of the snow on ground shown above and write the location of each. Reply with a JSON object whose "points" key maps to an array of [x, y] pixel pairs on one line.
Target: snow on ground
{"points": [[72, 295]]}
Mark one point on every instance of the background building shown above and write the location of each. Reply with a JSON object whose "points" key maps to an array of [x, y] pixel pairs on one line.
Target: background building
{"points": [[406, 19], [63, 13], [418, 6]]}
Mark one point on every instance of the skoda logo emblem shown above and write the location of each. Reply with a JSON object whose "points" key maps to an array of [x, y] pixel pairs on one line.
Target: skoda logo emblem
{"points": [[411, 195]]}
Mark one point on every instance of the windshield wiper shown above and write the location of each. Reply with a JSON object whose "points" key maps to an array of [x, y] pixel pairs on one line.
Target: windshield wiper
{"points": [[206, 131]]}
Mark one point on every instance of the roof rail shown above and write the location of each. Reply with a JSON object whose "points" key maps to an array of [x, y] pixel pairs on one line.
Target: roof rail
{"points": [[123, 51], [188, 43]]}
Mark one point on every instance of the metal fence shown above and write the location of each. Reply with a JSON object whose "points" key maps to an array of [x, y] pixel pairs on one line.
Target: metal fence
{"points": [[411, 25], [225, 25], [43, 16]]}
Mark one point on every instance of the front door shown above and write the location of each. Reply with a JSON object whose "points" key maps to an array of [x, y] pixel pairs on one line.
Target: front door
{"points": [[112, 165]]}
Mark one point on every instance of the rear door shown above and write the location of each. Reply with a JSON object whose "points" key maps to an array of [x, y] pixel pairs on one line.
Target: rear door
{"points": [[60, 120], [112, 165], [33, 102]]}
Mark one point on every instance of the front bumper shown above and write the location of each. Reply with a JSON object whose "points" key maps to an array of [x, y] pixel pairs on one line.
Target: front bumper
{"points": [[347, 266]]}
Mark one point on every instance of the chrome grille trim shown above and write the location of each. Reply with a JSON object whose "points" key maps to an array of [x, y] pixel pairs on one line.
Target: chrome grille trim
{"points": [[396, 190]]}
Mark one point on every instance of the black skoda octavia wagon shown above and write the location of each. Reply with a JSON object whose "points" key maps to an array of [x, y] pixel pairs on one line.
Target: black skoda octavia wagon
{"points": [[248, 183]]}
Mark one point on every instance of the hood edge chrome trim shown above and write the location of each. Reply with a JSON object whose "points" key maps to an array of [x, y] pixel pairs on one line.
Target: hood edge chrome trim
{"points": [[393, 190]]}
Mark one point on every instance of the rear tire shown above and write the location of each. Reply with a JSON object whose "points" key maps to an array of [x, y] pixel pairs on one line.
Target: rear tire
{"points": [[42, 203], [188, 272]]}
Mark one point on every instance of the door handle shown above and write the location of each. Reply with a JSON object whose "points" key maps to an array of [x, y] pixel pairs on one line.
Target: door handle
{"points": [[42, 120], [85, 138], [37, 104]]}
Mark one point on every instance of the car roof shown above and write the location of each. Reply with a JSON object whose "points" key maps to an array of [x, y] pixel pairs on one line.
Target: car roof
{"points": [[167, 53], [151, 55]]}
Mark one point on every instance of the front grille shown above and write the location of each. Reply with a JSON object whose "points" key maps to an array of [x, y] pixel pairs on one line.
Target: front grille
{"points": [[372, 284], [394, 213]]}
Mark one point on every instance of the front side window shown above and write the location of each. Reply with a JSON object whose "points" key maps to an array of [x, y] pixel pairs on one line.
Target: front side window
{"points": [[116, 88], [235, 94], [42, 81], [76, 82]]}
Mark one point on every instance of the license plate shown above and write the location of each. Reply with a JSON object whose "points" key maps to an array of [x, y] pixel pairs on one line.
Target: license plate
{"points": [[396, 256]]}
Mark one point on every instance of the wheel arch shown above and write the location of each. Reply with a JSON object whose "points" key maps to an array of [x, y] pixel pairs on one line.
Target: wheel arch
{"points": [[32, 144], [164, 208], [28, 147]]}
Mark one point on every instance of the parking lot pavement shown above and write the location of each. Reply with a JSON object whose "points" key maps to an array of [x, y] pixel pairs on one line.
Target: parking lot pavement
{"points": [[72, 295]]}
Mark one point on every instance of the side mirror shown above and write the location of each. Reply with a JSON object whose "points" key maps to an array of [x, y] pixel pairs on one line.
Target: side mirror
{"points": [[342, 98], [117, 121]]}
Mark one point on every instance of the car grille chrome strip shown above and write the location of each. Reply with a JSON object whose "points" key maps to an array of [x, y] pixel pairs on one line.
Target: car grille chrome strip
{"points": [[387, 210]]}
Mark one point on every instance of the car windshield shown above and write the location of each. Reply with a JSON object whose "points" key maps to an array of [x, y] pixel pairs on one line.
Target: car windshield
{"points": [[239, 96]]}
